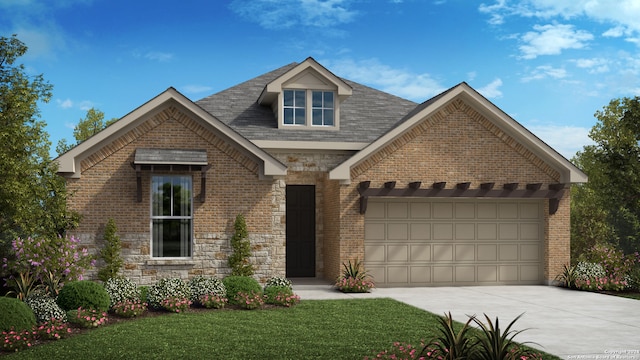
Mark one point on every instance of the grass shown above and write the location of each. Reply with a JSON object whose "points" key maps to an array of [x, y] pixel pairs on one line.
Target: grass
{"points": [[314, 329]]}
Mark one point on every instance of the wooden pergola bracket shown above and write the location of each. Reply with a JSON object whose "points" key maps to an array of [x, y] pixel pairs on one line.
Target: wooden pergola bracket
{"points": [[554, 192]]}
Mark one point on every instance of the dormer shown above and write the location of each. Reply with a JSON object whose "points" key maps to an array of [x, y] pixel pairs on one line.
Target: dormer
{"points": [[307, 97]]}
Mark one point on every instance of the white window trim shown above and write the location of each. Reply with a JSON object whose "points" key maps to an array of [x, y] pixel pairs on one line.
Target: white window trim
{"points": [[308, 125], [151, 218]]}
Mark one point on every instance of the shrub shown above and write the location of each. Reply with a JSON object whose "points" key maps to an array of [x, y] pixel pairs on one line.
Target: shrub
{"points": [[587, 270], [42, 256], [176, 304], [110, 253], [249, 300], [84, 293], [237, 284], [241, 249], [201, 285], [278, 281], [121, 289], [45, 308], [354, 278], [15, 315], [87, 317], [23, 285], [165, 289], [13, 340], [212, 301], [54, 329], [129, 308], [280, 295]]}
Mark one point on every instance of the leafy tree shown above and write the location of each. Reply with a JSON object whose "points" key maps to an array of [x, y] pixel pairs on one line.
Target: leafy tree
{"points": [[32, 195], [110, 253], [607, 208], [92, 124], [239, 259]]}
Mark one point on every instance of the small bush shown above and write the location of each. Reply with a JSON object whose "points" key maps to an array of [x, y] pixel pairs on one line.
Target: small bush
{"points": [[278, 281], [45, 308], [144, 293], [238, 284], [87, 317], [587, 270], [165, 289], [85, 294], [111, 252], [280, 295], [15, 315], [129, 308], [201, 285], [121, 289]]}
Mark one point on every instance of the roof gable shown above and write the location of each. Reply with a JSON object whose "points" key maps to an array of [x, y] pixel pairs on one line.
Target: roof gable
{"points": [[69, 162], [305, 73], [569, 173]]}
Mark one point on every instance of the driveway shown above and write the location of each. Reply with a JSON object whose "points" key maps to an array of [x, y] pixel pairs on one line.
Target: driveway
{"points": [[569, 324]]}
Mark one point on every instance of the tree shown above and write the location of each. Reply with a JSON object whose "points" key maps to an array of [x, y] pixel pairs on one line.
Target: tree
{"points": [[239, 259], [110, 253], [92, 124], [607, 208], [32, 195]]}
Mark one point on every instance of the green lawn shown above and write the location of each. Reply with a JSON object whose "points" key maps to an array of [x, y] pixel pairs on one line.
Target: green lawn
{"points": [[314, 329]]}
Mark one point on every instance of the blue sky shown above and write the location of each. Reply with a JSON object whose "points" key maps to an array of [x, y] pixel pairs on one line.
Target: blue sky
{"points": [[550, 64]]}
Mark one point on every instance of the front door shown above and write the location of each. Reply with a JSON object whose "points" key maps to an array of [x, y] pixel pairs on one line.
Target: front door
{"points": [[301, 231]]}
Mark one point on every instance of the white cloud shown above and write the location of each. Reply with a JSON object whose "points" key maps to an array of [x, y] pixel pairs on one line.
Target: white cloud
{"points": [[283, 14], [65, 104], [544, 72], [491, 90], [622, 14], [552, 39], [400, 82], [196, 89], [567, 140], [594, 65], [70, 104]]}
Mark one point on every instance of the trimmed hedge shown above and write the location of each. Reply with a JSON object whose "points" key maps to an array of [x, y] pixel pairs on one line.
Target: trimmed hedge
{"points": [[85, 294], [15, 314], [236, 284]]}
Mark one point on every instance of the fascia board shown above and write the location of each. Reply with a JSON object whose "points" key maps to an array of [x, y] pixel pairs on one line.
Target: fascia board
{"points": [[69, 162]]}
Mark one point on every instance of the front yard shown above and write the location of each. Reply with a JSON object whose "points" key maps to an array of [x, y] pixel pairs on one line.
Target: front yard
{"points": [[314, 329]]}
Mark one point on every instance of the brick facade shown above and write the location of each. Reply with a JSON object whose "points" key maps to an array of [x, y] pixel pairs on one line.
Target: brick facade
{"points": [[453, 145]]}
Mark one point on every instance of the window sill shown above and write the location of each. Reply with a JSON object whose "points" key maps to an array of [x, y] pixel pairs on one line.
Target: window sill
{"points": [[170, 262]]}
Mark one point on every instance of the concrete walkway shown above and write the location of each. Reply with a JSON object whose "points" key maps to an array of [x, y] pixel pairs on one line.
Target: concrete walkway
{"points": [[566, 323]]}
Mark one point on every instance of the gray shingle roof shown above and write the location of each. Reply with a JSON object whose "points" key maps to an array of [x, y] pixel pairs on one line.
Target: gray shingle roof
{"points": [[364, 116]]}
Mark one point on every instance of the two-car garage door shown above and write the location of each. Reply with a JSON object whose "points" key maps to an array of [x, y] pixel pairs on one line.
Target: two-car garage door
{"points": [[431, 242]]}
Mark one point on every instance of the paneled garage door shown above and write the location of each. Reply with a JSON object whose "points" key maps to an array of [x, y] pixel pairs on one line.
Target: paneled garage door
{"points": [[432, 242]]}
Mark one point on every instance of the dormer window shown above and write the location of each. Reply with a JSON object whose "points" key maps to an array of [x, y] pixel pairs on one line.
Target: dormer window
{"points": [[294, 107], [307, 97], [322, 109], [296, 112]]}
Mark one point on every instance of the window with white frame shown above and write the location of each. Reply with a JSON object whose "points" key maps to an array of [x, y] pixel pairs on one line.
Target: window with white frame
{"points": [[322, 108], [321, 112], [294, 107], [171, 216]]}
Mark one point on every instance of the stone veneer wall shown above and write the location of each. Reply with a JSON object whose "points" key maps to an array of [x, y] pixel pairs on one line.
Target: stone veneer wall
{"points": [[107, 189], [457, 144], [311, 168]]}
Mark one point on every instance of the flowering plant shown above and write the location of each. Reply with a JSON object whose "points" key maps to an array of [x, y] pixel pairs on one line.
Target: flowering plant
{"points": [[251, 300], [287, 300], [213, 301], [44, 257], [129, 308], [280, 295], [176, 304], [13, 340], [87, 317], [54, 329], [354, 279]]}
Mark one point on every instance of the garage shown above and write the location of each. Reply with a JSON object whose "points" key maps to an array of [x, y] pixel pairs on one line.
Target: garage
{"points": [[461, 241]]}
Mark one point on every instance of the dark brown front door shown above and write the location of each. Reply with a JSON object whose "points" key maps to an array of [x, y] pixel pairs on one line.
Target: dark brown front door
{"points": [[301, 231]]}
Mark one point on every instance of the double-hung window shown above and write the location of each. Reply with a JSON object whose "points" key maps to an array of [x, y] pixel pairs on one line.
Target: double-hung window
{"points": [[171, 216]]}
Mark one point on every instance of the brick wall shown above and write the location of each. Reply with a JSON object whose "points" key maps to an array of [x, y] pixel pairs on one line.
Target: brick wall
{"points": [[455, 145], [107, 189]]}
